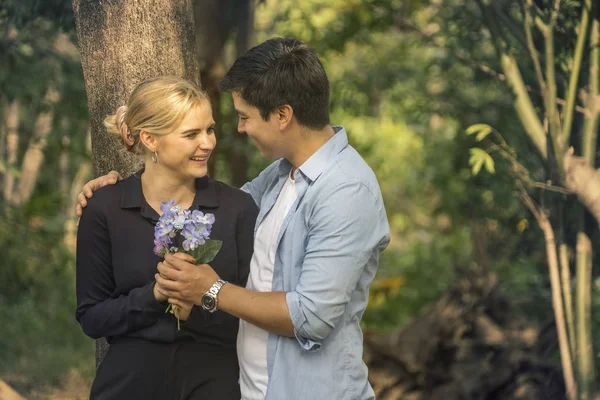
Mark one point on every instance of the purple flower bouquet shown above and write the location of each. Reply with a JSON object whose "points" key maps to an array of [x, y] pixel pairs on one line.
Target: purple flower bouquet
{"points": [[185, 231]]}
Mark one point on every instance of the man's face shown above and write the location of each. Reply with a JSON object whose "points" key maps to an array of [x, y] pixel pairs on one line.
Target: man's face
{"points": [[265, 135]]}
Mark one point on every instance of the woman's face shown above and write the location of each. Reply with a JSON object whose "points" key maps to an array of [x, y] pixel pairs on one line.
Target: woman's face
{"points": [[186, 150]]}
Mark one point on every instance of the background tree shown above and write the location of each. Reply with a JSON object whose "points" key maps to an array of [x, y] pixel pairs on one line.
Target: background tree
{"points": [[555, 85], [121, 44], [407, 79]]}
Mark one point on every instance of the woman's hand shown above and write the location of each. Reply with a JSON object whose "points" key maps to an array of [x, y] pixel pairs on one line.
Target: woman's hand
{"points": [[158, 295], [181, 309]]}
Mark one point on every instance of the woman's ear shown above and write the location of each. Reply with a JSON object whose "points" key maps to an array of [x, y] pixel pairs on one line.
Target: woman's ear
{"points": [[284, 115], [149, 141]]}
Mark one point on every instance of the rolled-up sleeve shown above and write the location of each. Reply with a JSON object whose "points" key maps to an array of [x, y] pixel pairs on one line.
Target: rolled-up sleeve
{"points": [[345, 228]]}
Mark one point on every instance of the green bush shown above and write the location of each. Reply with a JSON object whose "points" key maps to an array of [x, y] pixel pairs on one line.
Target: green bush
{"points": [[40, 340]]}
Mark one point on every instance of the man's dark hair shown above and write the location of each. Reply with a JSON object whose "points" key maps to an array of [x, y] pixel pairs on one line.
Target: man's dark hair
{"points": [[282, 71]]}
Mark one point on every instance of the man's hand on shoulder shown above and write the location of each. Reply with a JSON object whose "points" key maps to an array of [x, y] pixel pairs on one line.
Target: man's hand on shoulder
{"points": [[89, 188]]}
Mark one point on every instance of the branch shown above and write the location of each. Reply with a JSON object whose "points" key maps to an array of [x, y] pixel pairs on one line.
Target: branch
{"points": [[554, 14], [590, 125], [522, 174], [574, 79], [557, 303], [523, 104], [551, 109], [565, 276], [510, 24], [579, 109], [528, 20], [585, 359], [474, 64]]}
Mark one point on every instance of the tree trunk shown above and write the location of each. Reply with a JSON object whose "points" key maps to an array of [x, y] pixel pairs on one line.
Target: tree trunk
{"points": [[237, 156], [64, 164], [34, 156], [215, 21], [11, 118], [3, 142], [122, 43], [81, 177]]}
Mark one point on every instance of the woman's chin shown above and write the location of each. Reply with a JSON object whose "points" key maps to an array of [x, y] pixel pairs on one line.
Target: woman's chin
{"points": [[199, 171]]}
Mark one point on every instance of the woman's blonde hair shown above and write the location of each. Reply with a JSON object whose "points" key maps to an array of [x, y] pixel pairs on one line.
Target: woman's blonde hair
{"points": [[156, 105]]}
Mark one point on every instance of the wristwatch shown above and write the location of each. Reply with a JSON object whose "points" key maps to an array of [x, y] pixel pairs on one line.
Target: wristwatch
{"points": [[209, 300]]}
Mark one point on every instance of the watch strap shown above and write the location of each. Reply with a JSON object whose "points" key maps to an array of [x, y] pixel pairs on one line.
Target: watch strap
{"points": [[213, 292]]}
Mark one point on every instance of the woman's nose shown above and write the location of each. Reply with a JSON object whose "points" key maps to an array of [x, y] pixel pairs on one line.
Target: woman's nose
{"points": [[206, 142]]}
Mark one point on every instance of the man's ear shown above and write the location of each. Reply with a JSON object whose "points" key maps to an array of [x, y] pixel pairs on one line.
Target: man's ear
{"points": [[149, 141], [284, 114]]}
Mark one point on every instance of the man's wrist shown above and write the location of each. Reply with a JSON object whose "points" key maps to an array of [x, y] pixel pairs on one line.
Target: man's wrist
{"points": [[209, 301]]}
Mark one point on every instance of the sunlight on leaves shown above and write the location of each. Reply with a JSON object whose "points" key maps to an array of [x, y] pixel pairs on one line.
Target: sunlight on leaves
{"points": [[480, 158], [481, 131]]}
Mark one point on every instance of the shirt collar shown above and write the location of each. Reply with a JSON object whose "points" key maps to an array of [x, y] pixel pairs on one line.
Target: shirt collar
{"points": [[318, 162], [133, 197]]}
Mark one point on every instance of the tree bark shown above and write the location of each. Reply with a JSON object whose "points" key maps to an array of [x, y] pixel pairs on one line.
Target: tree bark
{"points": [[122, 43]]}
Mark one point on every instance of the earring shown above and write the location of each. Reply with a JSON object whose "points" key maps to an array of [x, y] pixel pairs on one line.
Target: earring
{"points": [[155, 157]]}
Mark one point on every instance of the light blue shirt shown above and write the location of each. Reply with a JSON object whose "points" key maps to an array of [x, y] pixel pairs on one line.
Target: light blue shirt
{"points": [[326, 258]]}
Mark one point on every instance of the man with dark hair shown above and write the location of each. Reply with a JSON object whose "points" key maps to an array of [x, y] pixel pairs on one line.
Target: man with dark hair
{"points": [[318, 236], [282, 71]]}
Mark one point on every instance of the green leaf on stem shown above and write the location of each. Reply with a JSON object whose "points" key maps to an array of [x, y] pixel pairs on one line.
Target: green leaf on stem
{"points": [[207, 252]]}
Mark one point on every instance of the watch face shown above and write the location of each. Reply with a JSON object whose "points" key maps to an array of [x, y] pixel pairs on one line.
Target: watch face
{"points": [[208, 302]]}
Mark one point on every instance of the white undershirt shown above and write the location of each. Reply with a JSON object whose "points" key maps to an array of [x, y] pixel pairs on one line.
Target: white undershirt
{"points": [[251, 340]]}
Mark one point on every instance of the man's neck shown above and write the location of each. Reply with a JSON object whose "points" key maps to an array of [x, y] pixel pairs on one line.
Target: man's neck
{"points": [[307, 143], [159, 186]]}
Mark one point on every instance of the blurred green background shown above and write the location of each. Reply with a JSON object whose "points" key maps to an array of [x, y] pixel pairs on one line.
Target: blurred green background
{"points": [[407, 79]]}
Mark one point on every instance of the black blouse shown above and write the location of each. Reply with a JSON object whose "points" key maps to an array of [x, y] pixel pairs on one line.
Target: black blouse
{"points": [[116, 263]]}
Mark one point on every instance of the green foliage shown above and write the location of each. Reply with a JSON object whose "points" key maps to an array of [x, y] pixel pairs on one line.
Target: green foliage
{"points": [[480, 158], [481, 131], [40, 341], [406, 87], [40, 338], [407, 79]]}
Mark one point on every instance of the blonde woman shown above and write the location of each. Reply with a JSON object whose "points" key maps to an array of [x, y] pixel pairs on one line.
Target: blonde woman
{"points": [[169, 121]]}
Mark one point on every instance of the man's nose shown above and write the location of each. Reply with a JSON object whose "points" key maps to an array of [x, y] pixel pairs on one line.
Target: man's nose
{"points": [[241, 127]]}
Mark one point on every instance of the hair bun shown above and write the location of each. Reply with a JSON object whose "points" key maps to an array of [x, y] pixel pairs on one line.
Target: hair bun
{"points": [[125, 133]]}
